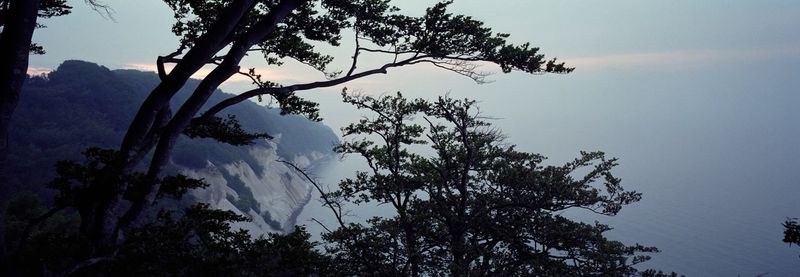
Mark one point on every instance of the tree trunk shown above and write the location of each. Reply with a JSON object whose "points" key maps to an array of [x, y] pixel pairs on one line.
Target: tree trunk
{"points": [[459, 267], [412, 248], [182, 118], [15, 43], [111, 222], [198, 56], [100, 219]]}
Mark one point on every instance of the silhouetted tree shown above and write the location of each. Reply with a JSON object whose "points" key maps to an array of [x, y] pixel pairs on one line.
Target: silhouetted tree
{"points": [[221, 33], [199, 241], [474, 206], [791, 233], [18, 19]]}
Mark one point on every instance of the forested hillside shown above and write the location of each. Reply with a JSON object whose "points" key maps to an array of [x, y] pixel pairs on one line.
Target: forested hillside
{"points": [[81, 105]]}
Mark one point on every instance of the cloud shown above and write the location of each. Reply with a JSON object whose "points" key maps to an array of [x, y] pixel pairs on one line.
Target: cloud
{"points": [[36, 71], [682, 59]]}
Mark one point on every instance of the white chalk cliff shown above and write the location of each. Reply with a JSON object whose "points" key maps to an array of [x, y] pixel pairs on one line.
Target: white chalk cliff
{"points": [[279, 190]]}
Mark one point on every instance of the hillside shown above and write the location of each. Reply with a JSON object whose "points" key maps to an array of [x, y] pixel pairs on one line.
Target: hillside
{"points": [[82, 105]]}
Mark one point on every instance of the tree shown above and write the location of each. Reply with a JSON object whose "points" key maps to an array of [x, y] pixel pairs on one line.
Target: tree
{"points": [[196, 241], [201, 242], [791, 233], [221, 33], [18, 20], [475, 206]]}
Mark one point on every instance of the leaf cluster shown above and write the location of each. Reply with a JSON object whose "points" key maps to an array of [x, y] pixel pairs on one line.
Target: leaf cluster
{"points": [[449, 41], [203, 242], [791, 233], [74, 178], [53, 246], [47, 9], [225, 130], [293, 104], [199, 241]]}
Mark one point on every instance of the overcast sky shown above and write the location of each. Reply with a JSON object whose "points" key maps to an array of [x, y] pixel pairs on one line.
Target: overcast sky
{"points": [[699, 99], [603, 39]]}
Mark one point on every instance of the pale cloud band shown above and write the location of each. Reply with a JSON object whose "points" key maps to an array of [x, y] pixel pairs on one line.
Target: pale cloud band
{"points": [[38, 71], [682, 59]]}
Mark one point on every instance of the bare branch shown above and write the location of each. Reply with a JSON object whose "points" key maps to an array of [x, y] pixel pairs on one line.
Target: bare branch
{"points": [[326, 73], [355, 55], [335, 207], [320, 224], [301, 87], [101, 8], [395, 52], [460, 67]]}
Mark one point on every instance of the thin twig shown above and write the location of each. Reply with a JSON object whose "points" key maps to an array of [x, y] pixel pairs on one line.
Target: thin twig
{"points": [[355, 56], [325, 198], [323, 225]]}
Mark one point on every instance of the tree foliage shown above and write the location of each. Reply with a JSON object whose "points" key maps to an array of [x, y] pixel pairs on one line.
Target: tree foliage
{"points": [[108, 193], [221, 33], [475, 206], [46, 9], [226, 130], [791, 233], [199, 241]]}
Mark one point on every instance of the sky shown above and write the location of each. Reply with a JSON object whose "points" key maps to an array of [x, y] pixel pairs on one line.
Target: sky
{"points": [[698, 99]]}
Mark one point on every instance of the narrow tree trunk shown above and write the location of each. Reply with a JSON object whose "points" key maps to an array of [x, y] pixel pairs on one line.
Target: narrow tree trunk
{"points": [[459, 267], [412, 247]]}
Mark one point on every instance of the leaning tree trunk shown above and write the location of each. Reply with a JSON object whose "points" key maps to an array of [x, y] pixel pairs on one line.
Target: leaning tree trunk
{"points": [[100, 217], [108, 222]]}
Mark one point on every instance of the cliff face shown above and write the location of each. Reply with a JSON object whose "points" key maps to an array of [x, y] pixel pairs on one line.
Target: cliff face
{"points": [[83, 105], [272, 193]]}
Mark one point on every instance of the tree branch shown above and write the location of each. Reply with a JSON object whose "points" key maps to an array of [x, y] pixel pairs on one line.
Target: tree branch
{"points": [[325, 197], [355, 54], [301, 87]]}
